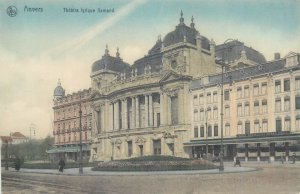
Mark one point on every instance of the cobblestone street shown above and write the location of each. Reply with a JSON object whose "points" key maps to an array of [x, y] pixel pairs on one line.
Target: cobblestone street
{"points": [[270, 178]]}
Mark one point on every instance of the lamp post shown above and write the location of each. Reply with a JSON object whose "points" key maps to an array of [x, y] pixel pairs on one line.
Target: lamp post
{"points": [[206, 133], [223, 63], [6, 155], [80, 136]]}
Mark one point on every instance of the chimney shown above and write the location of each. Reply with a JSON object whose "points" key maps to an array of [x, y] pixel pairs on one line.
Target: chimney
{"points": [[276, 56]]}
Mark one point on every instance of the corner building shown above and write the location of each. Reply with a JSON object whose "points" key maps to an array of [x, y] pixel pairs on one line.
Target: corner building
{"points": [[261, 109], [143, 109]]}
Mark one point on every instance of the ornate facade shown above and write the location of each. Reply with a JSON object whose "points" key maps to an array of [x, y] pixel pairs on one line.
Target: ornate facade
{"points": [[142, 109], [169, 103], [67, 123], [261, 111]]}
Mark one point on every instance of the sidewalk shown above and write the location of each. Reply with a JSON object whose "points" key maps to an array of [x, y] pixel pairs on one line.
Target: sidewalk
{"points": [[88, 172]]}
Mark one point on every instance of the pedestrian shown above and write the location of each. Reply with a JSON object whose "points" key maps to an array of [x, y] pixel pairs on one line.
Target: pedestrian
{"points": [[18, 163], [294, 158], [61, 165], [282, 159], [237, 162]]}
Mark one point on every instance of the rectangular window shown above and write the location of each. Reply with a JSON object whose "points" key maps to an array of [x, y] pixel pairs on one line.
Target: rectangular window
{"points": [[297, 102], [256, 127], [264, 88], [209, 131], [247, 110], [287, 124], [297, 124], [265, 106], [265, 126], [216, 130], [247, 128], [158, 119], [215, 97], [246, 91], [201, 99], [215, 113], [156, 147], [174, 110], [201, 115], [195, 131], [277, 86], [286, 85], [208, 97], [208, 114], [196, 116], [278, 125], [201, 131], [287, 104], [239, 92], [239, 110], [256, 107], [278, 105], [226, 95], [129, 144], [227, 130], [256, 90], [240, 129], [297, 83], [195, 102], [227, 111]]}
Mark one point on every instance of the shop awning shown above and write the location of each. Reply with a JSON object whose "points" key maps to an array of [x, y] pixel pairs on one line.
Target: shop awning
{"points": [[245, 139], [68, 149]]}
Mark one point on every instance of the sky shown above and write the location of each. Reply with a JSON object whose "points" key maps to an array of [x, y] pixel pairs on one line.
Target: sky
{"points": [[38, 48]]}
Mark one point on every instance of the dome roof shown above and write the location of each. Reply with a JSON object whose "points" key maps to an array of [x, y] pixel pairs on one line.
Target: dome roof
{"points": [[179, 34], [59, 91], [108, 62], [184, 33]]}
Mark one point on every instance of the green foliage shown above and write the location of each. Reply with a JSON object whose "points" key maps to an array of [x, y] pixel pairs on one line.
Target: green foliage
{"points": [[154, 163], [32, 150], [47, 165], [156, 158]]}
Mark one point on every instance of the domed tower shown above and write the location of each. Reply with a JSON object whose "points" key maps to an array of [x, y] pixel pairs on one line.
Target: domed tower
{"points": [[186, 52], [107, 69], [59, 92]]}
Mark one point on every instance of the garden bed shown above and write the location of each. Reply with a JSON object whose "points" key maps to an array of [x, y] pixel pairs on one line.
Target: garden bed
{"points": [[47, 165], [154, 163]]}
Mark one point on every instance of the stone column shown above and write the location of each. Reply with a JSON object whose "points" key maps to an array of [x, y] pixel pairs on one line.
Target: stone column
{"points": [[116, 114], [137, 112], [133, 112], [111, 116], [162, 113], [125, 117], [150, 111], [146, 111]]}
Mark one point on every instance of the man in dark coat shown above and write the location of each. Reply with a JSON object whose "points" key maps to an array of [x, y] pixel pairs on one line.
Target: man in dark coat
{"points": [[61, 165]]}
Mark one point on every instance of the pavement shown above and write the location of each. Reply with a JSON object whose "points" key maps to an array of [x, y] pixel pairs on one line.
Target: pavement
{"points": [[229, 168]]}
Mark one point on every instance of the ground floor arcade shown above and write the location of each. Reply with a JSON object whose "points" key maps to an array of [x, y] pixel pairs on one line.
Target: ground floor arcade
{"points": [[263, 147]]}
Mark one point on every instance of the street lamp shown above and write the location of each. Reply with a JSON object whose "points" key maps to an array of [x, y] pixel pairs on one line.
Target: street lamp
{"points": [[206, 133], [6, 155], [80, 136], [221, 168]]}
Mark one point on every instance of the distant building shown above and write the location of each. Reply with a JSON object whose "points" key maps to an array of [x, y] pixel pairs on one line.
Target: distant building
{"points": [[66, 124], [6, 139], [18, 138]]}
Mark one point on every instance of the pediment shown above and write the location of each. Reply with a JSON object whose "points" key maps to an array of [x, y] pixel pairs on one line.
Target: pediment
{"points": [[170, 75]]}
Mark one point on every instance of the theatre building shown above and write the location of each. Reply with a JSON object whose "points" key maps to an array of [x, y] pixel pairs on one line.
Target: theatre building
{"points": [[66, 124], [143, 108], [261, 107]]}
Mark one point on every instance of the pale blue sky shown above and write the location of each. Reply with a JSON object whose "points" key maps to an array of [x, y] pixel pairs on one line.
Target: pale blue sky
{"points": [[38, 48]]}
